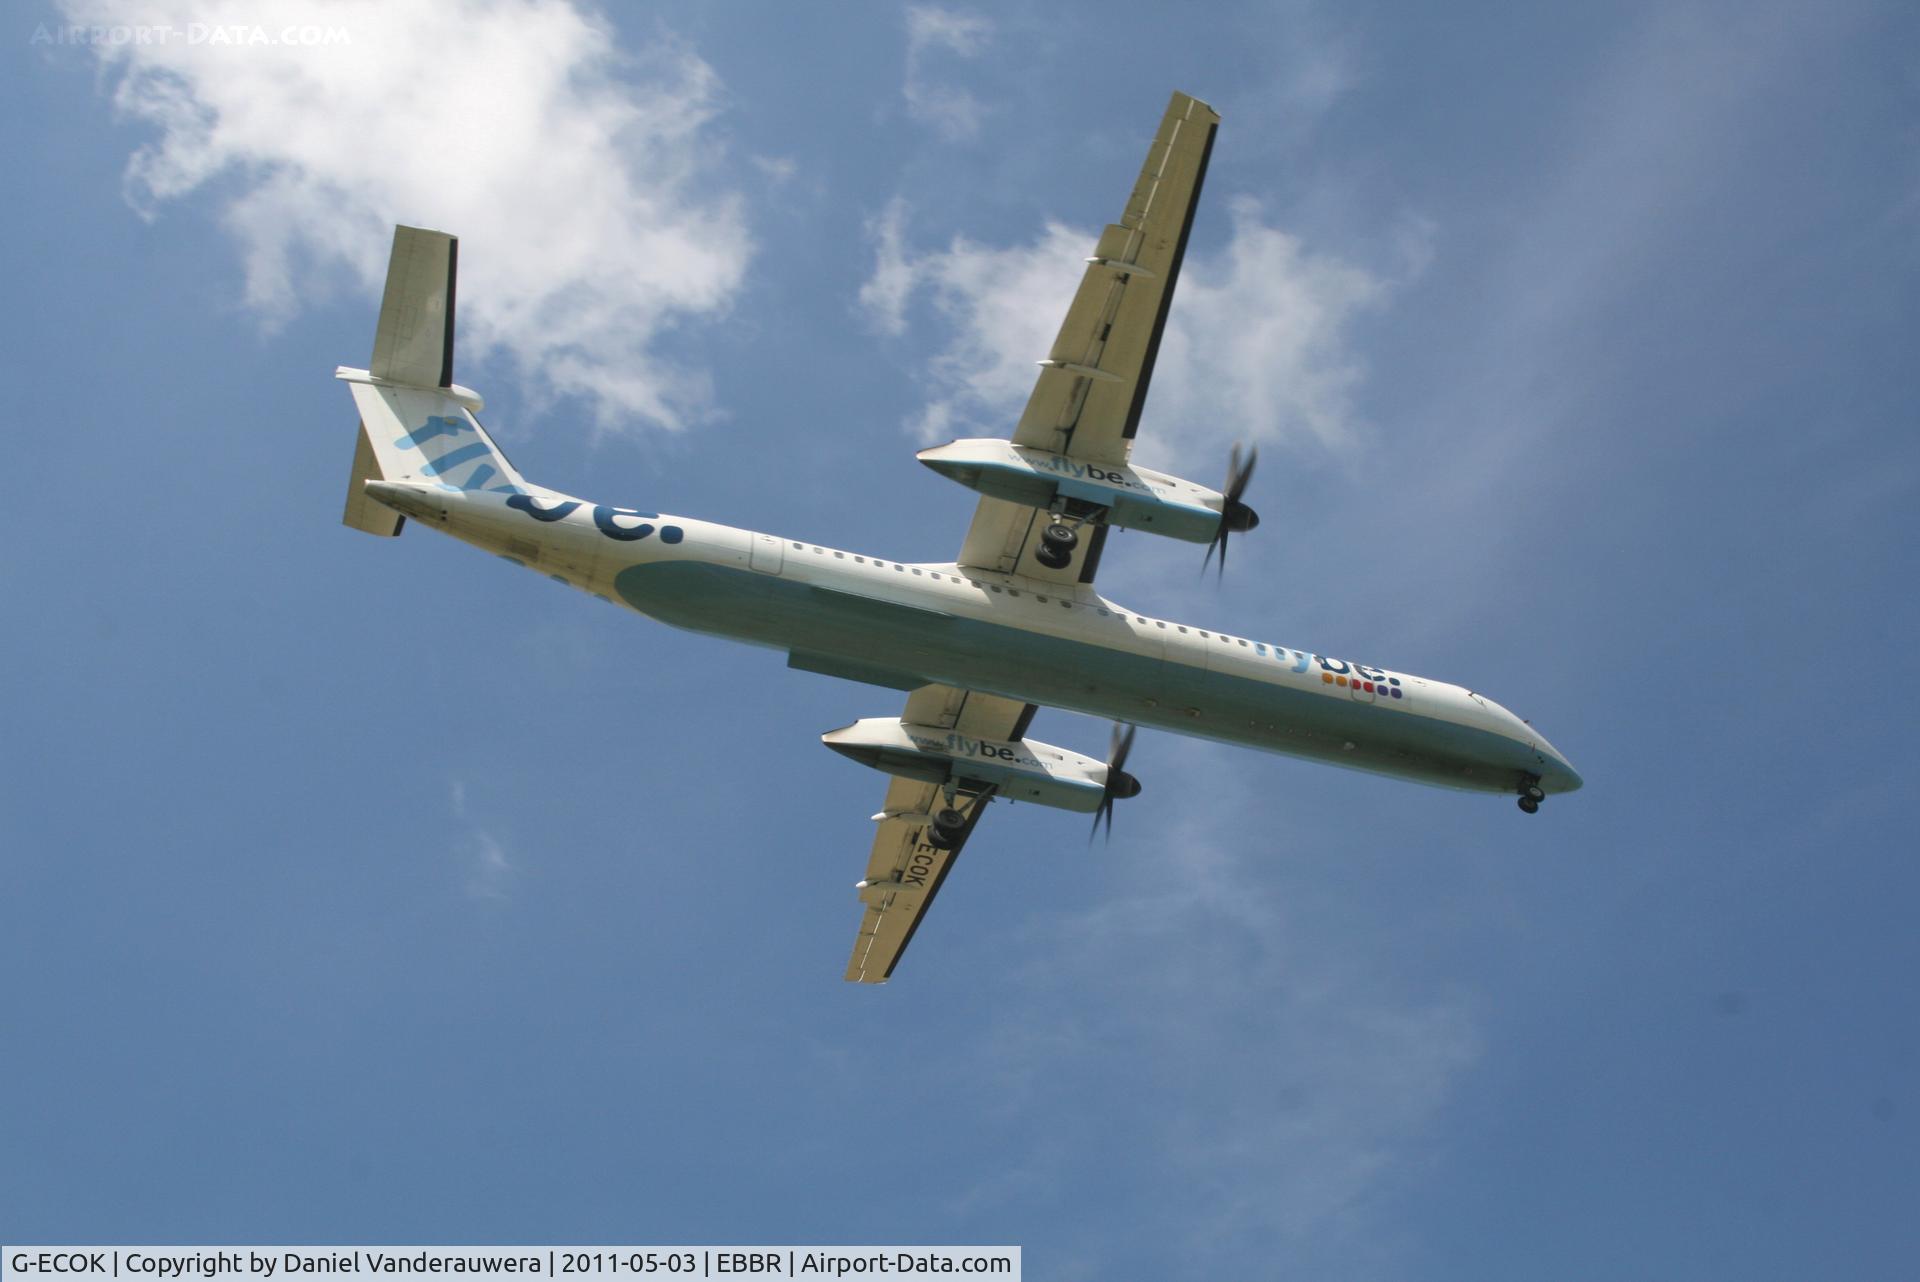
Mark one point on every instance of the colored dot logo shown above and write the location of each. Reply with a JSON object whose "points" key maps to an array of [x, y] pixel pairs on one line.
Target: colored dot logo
{"points": [[1390, 687]]}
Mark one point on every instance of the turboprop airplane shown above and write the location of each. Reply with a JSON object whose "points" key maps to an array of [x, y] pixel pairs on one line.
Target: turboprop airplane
{"points": [[980, 642]]}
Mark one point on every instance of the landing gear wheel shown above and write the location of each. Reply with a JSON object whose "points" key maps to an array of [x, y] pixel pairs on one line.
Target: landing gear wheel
{"points": [[1532, 793], [1057, 542], [948, 824], [1529, 805]]}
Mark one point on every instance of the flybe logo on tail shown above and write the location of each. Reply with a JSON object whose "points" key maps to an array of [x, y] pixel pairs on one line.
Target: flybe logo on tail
{"points": [[459, 446]]}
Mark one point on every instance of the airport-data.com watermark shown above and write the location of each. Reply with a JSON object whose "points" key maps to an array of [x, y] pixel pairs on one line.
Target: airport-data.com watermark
{"points": [[208, 34]]}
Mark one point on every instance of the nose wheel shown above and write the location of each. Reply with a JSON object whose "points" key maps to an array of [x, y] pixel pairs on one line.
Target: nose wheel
{"points": [[1531, 796]]}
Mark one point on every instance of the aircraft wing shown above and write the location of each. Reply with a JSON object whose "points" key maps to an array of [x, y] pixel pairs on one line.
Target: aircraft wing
{"points": [[1086, 405], [1086, 402], [905, 870]]}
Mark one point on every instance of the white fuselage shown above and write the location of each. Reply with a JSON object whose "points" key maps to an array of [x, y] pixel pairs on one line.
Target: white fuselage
{"points": [[904, 625]]}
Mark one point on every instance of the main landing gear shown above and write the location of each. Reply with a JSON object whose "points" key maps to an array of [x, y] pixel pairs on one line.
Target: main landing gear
{"points": [[945, 830], [1530, 795], [947, 827], [1057, 543]]}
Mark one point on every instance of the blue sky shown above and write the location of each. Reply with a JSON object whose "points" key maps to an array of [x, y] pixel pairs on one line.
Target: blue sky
{"points": [[370, 891]]}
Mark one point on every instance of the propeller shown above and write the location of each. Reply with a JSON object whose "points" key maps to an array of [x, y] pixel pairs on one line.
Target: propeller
{"points": [[1119, 782], [1234, 515]]}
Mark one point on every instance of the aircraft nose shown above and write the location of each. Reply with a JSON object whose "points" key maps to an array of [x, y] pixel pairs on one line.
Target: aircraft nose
{"points": [[1560, 776]]}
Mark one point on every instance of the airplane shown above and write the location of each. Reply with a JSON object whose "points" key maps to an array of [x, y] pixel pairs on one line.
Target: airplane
{"points": [[979, 643]]}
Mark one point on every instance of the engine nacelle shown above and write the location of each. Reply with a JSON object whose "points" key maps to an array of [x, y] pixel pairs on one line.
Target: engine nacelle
{"points": [[1020, 770], [1136, 498]]}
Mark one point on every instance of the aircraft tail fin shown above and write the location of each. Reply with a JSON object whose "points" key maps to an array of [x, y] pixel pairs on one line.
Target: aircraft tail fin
{"points": [[416, 424], [414, 341]]}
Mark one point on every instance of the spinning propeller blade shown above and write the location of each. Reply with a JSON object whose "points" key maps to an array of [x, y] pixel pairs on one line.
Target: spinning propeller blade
{"points": [[1119, 782], [1234, 515]]}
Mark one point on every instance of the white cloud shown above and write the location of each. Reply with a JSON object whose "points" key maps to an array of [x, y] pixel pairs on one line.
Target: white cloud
{"points": [[777, 169], [1259, 339], [930, 27], [951, 110], [1256, 346], [573, 171], [886, 292], [483, 855]]}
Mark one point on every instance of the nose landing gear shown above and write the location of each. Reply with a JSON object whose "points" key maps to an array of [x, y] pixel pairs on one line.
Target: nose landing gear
{"points": [[1530, 794]]}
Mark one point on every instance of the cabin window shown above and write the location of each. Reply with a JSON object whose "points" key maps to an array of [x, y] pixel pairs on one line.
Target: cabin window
{"points": [[861, 559], [1042, 600], [1066, 605], [1202, 632], [798, 548], [1181, 626], [1138, 619], [1103, 614], [998, 588], [1161, 623], [1243, 642], [916, 571], [840, 556], [900, 567]]}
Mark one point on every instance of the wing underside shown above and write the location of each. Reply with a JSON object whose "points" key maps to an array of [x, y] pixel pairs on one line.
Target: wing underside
{"points": [[905, 870], [1086, 401]]}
